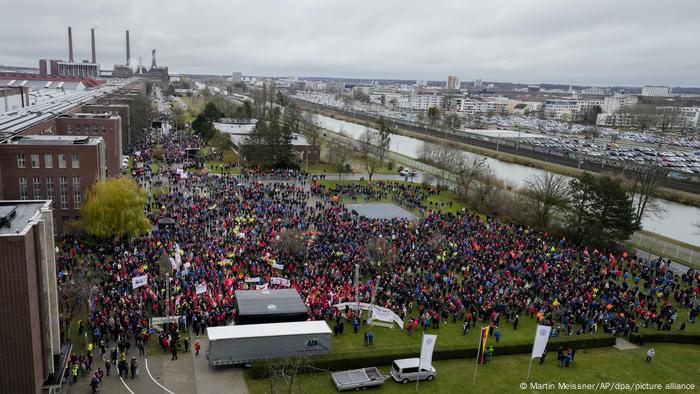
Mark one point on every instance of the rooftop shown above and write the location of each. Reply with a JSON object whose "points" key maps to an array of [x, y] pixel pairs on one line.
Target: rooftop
{"points": [[17, 216], [268, 330], [52, 140], [269, 302]]}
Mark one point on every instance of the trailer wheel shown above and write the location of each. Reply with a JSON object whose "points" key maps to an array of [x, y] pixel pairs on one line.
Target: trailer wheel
{"points": [[405, 381], [431, 377]]}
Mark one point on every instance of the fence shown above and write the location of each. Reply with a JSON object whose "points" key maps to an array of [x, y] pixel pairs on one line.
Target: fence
{"points": [[666, 249]]}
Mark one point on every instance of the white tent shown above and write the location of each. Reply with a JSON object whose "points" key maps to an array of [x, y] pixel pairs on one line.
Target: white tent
{"points": [[380, 316]]}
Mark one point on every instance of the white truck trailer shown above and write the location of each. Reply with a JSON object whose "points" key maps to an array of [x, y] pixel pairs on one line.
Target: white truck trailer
{"points": [[242, 344]]}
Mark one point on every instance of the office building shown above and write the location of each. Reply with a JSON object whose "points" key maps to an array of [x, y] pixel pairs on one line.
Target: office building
{"points": [[452, 83]]}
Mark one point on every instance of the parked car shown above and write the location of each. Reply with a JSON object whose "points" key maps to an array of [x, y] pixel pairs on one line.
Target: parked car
{"points": [[406, 370]]}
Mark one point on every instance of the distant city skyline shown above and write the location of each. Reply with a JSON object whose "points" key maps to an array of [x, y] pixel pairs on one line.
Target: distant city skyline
{"points": [[594, 43]]}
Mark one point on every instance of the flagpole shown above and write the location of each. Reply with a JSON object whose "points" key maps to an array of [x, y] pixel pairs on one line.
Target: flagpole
{"points": [[478, 353], [529, 369]]}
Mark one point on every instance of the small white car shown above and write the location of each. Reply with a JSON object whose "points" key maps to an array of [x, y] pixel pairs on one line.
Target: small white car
{"points": [[406, 370]]}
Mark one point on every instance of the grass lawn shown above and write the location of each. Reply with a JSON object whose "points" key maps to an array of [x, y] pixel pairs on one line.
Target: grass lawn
{"points": [[215, 167], [443, 197], [230, 156], [673, 363], [155, 167]]}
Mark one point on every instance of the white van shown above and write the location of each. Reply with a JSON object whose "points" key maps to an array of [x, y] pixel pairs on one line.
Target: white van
{"points": [[406, 370]]}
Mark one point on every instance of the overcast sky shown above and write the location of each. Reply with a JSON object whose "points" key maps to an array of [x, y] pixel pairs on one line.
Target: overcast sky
{"points": [[623, 42]]}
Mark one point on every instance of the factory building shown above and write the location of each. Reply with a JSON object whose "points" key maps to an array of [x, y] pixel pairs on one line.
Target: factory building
{"points": [[35, 354]]}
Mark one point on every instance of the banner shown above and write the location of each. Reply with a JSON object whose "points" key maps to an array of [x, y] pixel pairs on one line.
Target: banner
{"points": [[482, 344], [252, 280], [280, 281], [178, 257], [261, 287], [277, 266], [541, 338], [139, 281], [200, 288], [382, 314], [426, 351]]}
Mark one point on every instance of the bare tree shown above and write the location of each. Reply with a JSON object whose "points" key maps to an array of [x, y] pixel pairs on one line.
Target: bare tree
{"points": [[644, 185], [311, 128], [486, 190], [442, 157], [338, 156], [368, 145], [468, 169], [544, 193]]}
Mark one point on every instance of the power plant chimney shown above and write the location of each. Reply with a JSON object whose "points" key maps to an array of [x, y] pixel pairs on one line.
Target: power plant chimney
{"points": [[128, 52], [70, 45], [92, 37], [153, 61]]}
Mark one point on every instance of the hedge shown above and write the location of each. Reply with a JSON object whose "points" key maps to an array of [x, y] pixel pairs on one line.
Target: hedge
{"points": [[343, 361], [673, 338]]}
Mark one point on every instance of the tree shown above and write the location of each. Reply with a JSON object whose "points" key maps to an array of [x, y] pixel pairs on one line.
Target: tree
{"points": [[544, 193], [468, 170], [368, 145], [589, 115], [270, 142], [338, 156], [384, 140], [114, 208], [291, 242], [211, 112], [203, 127], [310, 128], [600, 210], [451, 122], [433, 116], [486, 191], [668, 118], [644, 185]]}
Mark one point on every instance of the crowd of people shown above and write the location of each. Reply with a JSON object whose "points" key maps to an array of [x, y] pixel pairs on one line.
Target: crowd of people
{"points": [[438, 268]]}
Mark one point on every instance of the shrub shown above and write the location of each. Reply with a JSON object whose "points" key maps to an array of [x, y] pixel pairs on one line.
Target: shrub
{"points": [[673, 338]]}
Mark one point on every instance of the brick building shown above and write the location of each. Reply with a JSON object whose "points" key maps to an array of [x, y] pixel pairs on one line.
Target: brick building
{"points": [[30, 338], [103, 125], [60, 168], [121, 110]]}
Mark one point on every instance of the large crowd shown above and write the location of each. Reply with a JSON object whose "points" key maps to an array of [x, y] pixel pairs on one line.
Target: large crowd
{"points": [[440, 267]]}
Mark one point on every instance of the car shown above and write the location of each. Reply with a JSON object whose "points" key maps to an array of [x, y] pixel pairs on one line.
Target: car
{"points": [[407, 369]]}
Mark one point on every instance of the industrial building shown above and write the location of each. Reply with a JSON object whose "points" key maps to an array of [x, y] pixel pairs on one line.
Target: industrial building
{"points": [[57, 168], [128, 69], [35, 355], [71, 68]]}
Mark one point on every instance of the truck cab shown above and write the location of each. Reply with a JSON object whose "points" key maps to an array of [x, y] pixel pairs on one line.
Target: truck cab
{"points": [[407, 369]]}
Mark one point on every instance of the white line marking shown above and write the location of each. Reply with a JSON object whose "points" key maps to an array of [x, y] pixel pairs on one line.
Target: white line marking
{"points": [[154, 381], [124, 383]]}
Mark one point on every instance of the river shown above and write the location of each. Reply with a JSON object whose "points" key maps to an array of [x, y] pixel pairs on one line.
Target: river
{"points": [[677, 220]]}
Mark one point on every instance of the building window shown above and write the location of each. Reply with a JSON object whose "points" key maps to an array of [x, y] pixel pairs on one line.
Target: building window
{"points": [[61, 161], [77, 128], [23, 188], [69, 128], [48, 160], [49, 189], [94, 128], [77, 197], [36, 185], [63, 189], [21, 163], [35, 160], [103, 128], [75, 160]]}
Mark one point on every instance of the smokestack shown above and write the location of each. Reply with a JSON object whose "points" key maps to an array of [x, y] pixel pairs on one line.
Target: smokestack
{"points": [[92, 37], [70, 45], [153, 61], [128, 52]]}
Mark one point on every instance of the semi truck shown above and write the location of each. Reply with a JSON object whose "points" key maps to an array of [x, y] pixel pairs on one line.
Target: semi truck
{"points": [[243, 344]]}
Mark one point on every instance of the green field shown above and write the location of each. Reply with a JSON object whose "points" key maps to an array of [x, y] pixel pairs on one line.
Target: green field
{"points": [[443, 197], [673, 364]]}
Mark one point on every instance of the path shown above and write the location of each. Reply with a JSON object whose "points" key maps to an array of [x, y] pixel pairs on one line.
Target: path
{"points": [[623, 344]]}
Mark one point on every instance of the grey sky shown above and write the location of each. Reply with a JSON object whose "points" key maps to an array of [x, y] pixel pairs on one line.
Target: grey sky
{"points": [[582, 42]]}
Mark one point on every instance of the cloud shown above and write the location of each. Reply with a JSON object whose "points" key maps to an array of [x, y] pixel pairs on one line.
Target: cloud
{"points": [[583, 42]]}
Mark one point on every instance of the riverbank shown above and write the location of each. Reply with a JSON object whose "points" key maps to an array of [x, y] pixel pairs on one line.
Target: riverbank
{"points": [[673, 195]]}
